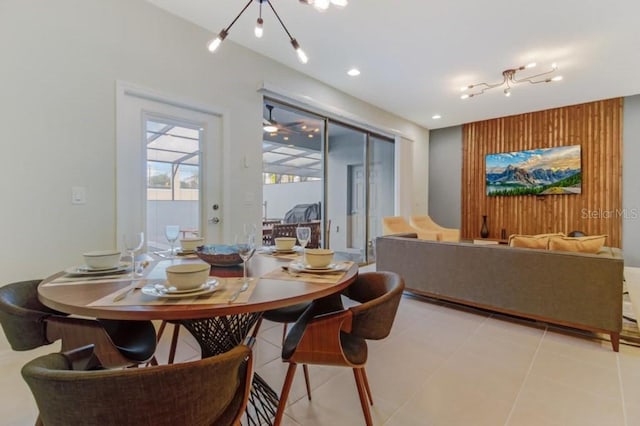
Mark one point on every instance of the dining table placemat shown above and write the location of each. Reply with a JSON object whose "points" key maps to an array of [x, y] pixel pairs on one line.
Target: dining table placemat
{"points": [[72, 280], [224, 290], [321, 278]]}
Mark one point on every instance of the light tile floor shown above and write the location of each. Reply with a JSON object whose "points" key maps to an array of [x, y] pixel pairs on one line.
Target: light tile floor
{"points": [[441, 365]]}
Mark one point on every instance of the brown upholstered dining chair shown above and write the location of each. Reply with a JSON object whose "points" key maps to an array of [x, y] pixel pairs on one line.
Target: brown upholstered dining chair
{"points": [[29, 324], [339, 338], [289, 230], [211, 391]]}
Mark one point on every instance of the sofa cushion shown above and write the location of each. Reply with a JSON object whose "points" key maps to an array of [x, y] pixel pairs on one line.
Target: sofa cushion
{"points": [[540, 241], [588, 244]]}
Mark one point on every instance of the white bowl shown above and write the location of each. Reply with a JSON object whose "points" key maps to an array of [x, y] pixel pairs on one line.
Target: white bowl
{"points": [[190, 244], [285, 243], [318, 258], [102, 259], [187, 276]]}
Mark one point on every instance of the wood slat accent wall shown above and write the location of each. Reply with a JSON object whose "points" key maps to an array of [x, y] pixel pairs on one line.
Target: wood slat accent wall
{"points": [[596, 126]]}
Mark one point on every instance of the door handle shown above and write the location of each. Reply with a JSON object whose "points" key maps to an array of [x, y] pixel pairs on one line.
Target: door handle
{"points": [[214, 220]]}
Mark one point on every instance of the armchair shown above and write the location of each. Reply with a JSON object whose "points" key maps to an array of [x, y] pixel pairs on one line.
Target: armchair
{"points": [[425, 223], [398, 225]]}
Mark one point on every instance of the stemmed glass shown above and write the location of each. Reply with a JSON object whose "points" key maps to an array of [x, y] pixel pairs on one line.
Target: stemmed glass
{"points": [[246, 245], [133, 243], [304, 235], [171, 232]]}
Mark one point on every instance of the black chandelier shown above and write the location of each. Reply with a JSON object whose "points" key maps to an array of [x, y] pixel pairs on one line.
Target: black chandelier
{"points": [[213, 44]]}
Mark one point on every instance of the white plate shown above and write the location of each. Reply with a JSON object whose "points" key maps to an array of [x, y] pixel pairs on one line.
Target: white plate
{"points": [[168, 288], [157, 290], [85, 270], [181, 252], [332, 267], [273, 250]]}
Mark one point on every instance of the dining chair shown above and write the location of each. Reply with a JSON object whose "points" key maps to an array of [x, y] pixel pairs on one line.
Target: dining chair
{"points": [[174, 338], [339, 338], [29, 324], [210, 391], [285, 316], [289, 230]]}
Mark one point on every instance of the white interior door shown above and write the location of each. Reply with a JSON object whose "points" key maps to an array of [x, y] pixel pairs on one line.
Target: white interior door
{"points": [[134, 109]]}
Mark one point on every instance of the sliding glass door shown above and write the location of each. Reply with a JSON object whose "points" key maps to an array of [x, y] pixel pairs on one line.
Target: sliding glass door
{"points": [[347, 171], [360, 170]]}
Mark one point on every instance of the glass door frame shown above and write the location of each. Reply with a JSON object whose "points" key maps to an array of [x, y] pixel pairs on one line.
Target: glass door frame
{"points": [[369, 134]]}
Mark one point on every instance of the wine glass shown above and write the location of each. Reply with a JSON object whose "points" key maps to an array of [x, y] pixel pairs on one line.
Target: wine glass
{"points": [[246, 245], [133, 243], [304, 235], [171, 232]]}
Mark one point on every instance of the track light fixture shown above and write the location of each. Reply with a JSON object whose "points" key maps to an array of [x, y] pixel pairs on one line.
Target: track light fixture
{"points": [[258, 31], [509, 80]]}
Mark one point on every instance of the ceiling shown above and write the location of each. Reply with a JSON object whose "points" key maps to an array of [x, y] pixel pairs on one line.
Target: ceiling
{"points": [[415, 55]]}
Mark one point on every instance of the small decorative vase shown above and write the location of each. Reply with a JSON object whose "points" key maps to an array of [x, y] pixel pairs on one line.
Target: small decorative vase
{"points": [[484, 231]]}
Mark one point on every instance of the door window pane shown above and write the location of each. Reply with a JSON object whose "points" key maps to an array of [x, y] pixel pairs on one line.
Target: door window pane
{"points": [[173, 179]]}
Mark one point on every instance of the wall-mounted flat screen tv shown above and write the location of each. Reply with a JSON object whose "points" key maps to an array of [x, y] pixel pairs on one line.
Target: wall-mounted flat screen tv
{"points": [[541, 171]]}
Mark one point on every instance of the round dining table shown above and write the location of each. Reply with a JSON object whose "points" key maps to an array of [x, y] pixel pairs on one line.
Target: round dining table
{"points": [[217, 327]]}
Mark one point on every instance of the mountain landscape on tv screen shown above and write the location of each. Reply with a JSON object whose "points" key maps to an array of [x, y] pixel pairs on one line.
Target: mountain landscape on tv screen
{"points": [[542, 171]]}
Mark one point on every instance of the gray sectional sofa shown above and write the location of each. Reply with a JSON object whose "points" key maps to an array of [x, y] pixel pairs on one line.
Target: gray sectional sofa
{"points": [[579, 290]]}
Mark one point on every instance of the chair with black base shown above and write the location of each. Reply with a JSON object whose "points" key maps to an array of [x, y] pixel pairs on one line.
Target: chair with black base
{"points": [[29, 324], [210, 391], [339, 338]]}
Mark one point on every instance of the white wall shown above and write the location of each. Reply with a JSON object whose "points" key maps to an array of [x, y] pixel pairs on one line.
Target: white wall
{"points": [[281, 198], [60, 62], [630, 177]]}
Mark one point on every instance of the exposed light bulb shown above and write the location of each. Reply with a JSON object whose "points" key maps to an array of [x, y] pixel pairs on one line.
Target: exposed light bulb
{"points": [[531, 65], [270, 128], [507, 92], [302, 57], [215, 43], [557, 78], [554, 66], [258, 30], [465, 96], [353, 72], [436, 117], [340, 3]]}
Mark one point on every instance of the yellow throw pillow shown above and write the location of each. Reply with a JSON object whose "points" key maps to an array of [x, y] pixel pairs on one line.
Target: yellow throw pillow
{"points": [[529, 241], [589, 244], [540, 241]]}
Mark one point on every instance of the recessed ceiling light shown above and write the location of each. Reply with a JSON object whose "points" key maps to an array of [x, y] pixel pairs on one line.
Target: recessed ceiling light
{"points": [[436, 117], [354, 72], [310, 135]]}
